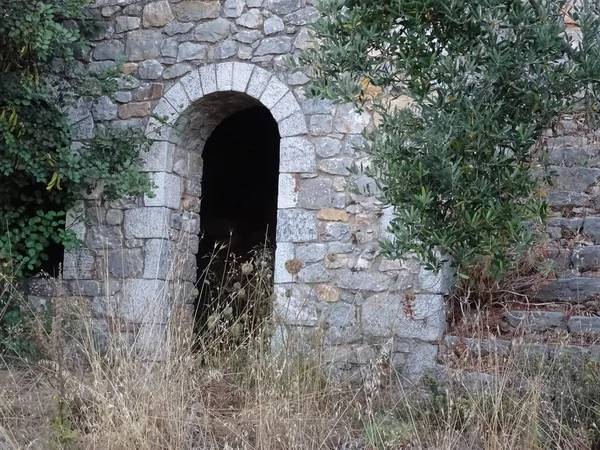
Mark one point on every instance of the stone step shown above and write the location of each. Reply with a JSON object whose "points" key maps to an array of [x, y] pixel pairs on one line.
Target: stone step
{"points": [[503, 347], [568, 289]]}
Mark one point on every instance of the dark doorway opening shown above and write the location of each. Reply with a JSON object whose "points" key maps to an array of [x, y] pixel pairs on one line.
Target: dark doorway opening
{"points": [[238, 210]]}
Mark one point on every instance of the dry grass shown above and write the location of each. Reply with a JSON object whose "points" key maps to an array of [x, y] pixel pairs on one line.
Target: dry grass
{"points": [[183, 395]]}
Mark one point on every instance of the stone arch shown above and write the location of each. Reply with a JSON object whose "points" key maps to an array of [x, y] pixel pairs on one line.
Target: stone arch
{"points": [[193, 107]]}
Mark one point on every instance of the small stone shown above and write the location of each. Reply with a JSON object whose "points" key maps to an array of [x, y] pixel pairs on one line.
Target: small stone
{"points": [[320, 125], [170, 47], [245, 52], [108, 11], [192, 11], [303, 40], [333, 215], [122, 96], [114, 217], [314, 273], [311, 253], [248, 36], [273, 25], [191, 51], [226, 49], [233, 8], [283, 6], [110, 50], [297, 79], [213, 31], [104, 237], [251, 19], [315, 193], [336, 166], [150, 69], [129, 110], [177, 28], [304, 16], [127, 23], [327, 147], [146, 92], [104, 108], [176, 71], [157, 14], [350, 121], [296, 225], [274, 46]]}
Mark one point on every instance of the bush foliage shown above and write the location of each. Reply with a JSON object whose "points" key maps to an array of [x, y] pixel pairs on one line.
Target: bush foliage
{"points": [[484, 78], [42, 170]]}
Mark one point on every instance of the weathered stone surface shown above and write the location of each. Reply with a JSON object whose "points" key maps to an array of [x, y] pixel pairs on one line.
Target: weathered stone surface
{"points": [[233, 8], [191, 51], [284, 253], [103, 237], [114, 217], [251, 19], [575, 178], [125, 263], [340, 314], [283, 6], [327, 293], [168, 191], [535, 321], [586, 258], [248, 36], [591, 227], [315, 193], [127, 23], [144, 301], [304, 40], [109, 50], [150, 69], [297, 155], [362, 281], [327, 147], [129, 110], [348, 120], [294, 306], [226, 49], [158, 158], [336, 166], [104, 109], [287, 194], [311, 253], [143, 44], [333, 215], [192, 11], [146, 223], [158, 259], [274, 46], [293, 125], [304, 16], [296, 225], [273, 25], [584, 325], [213, 31], [314, 273], [572, 290], [567, 199], [334, 231], [157, 14], [177, 28]]}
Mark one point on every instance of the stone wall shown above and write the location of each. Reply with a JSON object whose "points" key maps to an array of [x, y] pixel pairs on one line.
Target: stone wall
{"points": [[194, 63]]}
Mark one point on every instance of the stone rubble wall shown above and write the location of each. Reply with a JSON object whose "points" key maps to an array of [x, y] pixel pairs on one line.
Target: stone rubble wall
{"points": [[194, 62]]}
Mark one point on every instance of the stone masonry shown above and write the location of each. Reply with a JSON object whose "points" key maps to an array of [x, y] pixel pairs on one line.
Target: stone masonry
{"points": [[194, 63]]}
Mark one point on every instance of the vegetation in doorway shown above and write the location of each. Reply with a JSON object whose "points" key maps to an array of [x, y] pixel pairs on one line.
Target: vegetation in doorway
{"points": [[483, 79], [42, 169]]}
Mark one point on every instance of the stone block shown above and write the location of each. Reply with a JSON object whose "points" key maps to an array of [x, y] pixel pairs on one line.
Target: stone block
{"points": [[158, 259], [567, 199], [190, 51], [296, 225], [251, 19], [145, 301], [130, 110], [591, 228], [333, 215], [387, 315], [584, 325], [248, 37], [285, 107], [334, 231], [422, 358], [125, 263], [311, 253], [109, 50], [363, 281], [315, 193], [146, 223], [143, 45], [241, 76], [177, 97], [284, 252], [274, 92], [226, 49], [587, 258], [192, 85], [297, 155], [208, 78], [104, 237], [157, 14], [574, 178], [273, 25], [168, 191], [350, 121], [287, 194], [159, 130], [79, 265], [293, 125], [571, 290], [294, 305], [127, 23], [336, 166], [440, 283], [177, 70], [283, 6], [150, 69], [104, 108], [340, 314], [535, 321], [258, 82], [192, 11], [224, 72], [174, 28], [213, 30], [304, 16], [274, 46], [327, 147], [158, 157], [314, 273], [233, 8]]}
